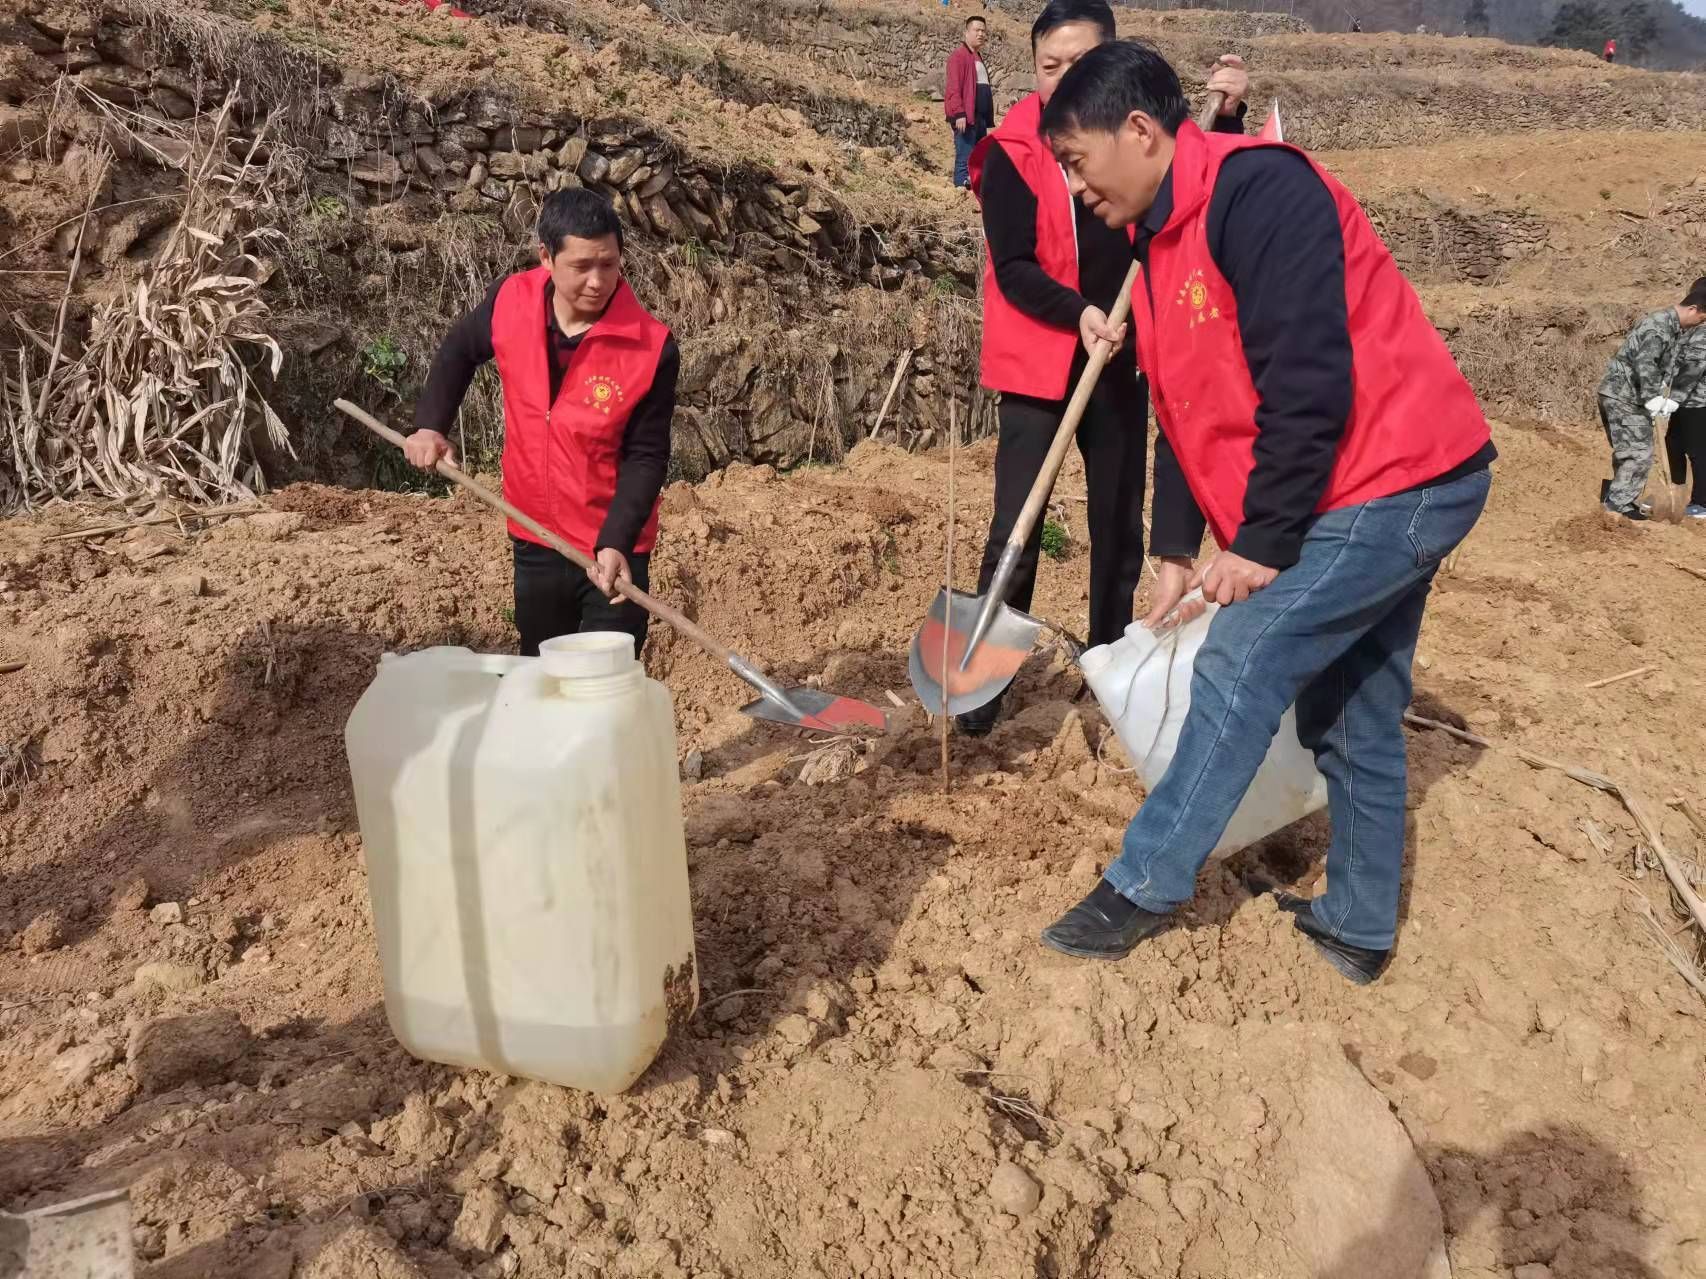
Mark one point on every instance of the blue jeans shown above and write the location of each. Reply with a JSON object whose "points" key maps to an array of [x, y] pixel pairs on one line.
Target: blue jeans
{"points": [[1336, 634], [963, 144]]}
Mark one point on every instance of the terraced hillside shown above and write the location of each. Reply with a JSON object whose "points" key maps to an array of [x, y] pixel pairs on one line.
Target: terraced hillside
{"points": [[783, 169]]}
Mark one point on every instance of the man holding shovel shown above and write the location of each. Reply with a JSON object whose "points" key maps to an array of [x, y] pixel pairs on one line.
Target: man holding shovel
{"points": [[1313, 419], [589, 390], [1050, 263]]}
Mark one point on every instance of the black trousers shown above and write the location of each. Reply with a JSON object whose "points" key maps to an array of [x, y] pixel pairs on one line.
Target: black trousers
{"points": [[1113, 437], [1685, 450], [554, 597]]}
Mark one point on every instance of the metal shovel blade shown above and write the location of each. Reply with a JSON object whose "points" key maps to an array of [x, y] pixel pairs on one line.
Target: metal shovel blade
{"points": [[813, 708], [996, 659]]}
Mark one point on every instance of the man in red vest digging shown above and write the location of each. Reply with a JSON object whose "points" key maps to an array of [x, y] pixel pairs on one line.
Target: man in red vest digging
{"points": [[589, 390], [1313, 419]]}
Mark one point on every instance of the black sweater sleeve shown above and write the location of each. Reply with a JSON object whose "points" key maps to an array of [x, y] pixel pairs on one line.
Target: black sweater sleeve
{"points": [[1273, 230], [645, 457], [465, 348], [1010, 225], [1177, 522]]}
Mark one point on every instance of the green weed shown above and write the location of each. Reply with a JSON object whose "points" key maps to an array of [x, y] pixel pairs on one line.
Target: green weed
{"points": [[1056, 540], [384, 361]]}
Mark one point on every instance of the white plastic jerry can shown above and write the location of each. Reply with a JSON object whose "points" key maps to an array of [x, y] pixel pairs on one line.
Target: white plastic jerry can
{"points": [[521, 824], [1143, 682]]}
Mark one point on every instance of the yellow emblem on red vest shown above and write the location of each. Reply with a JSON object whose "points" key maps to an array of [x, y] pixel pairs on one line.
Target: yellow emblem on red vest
{"points": [[602, 393], [1193, 295]]}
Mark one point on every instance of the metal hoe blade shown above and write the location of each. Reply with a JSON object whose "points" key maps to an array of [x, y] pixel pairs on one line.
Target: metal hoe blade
{"points": [[965, 685]]}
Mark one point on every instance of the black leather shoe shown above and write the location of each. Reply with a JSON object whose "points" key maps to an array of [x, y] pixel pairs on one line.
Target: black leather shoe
{"points": [[980, 722], [1354, 962], [1102, 926]]}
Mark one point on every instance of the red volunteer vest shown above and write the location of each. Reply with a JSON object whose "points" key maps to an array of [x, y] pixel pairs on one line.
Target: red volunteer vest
{"points": [[1020, 354], [560, 459], [1413, 415]]}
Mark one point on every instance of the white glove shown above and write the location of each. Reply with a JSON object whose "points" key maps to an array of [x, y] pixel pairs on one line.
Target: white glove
{"points": [[1659, 406]]}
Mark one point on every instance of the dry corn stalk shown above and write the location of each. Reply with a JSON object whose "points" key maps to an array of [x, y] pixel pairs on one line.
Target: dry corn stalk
{"points": [[160, 398]]}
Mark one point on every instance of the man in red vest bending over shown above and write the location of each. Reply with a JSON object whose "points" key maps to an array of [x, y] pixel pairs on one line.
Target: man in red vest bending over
{"points": [[1314, 420], [589, 390]]}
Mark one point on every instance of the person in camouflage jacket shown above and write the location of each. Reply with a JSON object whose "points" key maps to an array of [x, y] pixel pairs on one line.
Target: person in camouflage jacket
{"points": [[1639, 375], [1685, 439]]}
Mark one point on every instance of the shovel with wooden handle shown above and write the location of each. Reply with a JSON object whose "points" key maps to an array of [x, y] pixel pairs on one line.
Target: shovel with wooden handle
{"points": [[985, 639], [971, 646], [803, 707]]}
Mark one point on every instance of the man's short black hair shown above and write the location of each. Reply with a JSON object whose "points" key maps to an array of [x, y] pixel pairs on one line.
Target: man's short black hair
{"points": [[1696, 294], [1057, 13], [577, 212], [1111, 81], [977, 18]]}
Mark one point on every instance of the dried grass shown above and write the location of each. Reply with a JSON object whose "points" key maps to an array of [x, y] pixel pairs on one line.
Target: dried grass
{"points": [[17, 767], [160, 397]]}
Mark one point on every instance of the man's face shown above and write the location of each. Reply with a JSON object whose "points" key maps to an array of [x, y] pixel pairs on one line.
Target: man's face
{"points": [[1059, 49], [1116, 174], [975, 35], [1693, 316], [584, 273]]}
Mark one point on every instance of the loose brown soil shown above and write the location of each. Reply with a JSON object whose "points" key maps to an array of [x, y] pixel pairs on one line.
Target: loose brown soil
{"points": [[199, 1017]]}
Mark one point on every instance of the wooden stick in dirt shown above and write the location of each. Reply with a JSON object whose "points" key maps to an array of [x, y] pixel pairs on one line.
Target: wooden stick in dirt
{"points": [[1636, 807], [1694, 818], [894, 385], [953, 433], [1618, 679], [11, 668], [195, 513], [1690, 569]]}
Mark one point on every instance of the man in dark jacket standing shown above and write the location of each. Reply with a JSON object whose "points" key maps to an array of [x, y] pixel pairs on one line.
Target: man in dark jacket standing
{"points": [[1049, 263], [967, 99], [589, 390], [1313, 419]]}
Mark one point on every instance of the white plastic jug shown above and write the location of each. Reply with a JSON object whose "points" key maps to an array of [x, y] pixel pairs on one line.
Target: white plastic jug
{"points": [[521, 821], [1143, 682]]}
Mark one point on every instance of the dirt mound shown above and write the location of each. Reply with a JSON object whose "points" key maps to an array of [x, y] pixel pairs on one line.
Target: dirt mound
{"points": [[887, 1076]]}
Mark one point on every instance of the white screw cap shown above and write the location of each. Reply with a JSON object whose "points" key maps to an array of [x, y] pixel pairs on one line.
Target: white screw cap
{"points": [[588, 655]]}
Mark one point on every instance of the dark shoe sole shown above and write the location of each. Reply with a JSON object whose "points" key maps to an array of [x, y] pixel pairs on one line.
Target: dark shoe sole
{"points": [[1344, 965], [1299, 908], [1078, 952]]}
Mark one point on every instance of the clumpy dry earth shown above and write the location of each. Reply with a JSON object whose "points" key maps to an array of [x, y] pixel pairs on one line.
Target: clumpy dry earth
{"points": [[905, 1084]]}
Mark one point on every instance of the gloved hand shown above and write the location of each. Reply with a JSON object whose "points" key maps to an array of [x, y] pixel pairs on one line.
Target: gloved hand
{"points": [[1659, 406]]}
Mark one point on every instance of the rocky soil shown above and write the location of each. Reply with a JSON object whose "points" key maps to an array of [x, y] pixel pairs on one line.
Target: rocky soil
{"points": [[887, 1076]]}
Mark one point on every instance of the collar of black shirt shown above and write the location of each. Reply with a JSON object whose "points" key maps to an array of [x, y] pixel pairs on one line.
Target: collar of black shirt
{"points": [[1159, 211]]}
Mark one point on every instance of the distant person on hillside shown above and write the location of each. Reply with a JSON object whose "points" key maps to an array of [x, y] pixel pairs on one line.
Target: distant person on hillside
{"points": [[1610, 54], [1050, 262], [1312, 418], [1632, 393], [1356, 25], [589, 392], [968, 100], [1685, 442]]}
